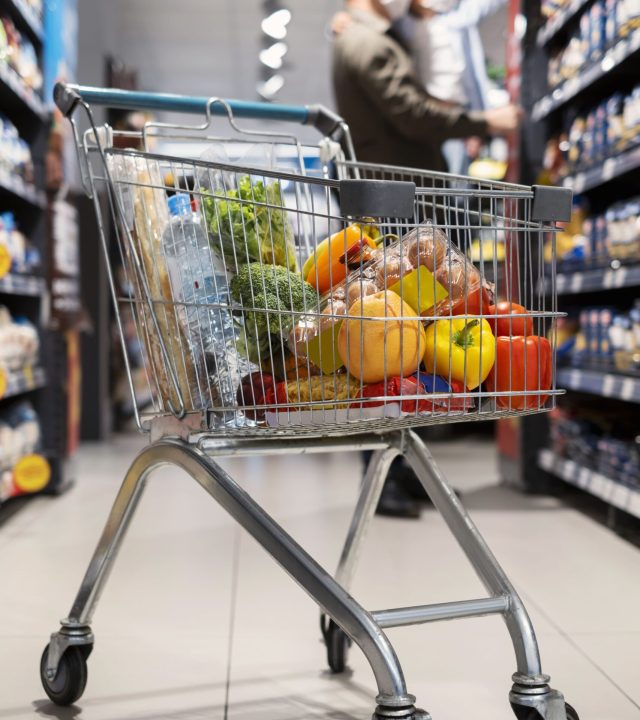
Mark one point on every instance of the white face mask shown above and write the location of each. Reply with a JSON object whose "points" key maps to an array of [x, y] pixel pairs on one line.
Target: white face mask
{"points": [[396, 8]]}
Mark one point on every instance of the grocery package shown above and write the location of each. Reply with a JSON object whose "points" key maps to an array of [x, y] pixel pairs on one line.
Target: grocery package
{"points": [[19, 342], [25, 257], [18, 53], [601, 25], [604, 441], [20, 432], [15, 154], [608, 339], [603, 131], [597, 239], [146, 216]]}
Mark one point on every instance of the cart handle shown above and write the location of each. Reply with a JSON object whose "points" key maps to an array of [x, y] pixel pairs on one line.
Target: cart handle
{"points": [[67, 97]]}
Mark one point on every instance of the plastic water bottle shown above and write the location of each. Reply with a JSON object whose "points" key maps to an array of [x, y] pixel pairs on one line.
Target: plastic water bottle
{"points": [[199, 284]]}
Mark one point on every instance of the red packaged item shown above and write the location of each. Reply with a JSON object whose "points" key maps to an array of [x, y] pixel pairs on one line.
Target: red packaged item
{"points": [[409, 388]]}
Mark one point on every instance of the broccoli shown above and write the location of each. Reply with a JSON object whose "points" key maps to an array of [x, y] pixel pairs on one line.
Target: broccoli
{"points": [[270, 293]]}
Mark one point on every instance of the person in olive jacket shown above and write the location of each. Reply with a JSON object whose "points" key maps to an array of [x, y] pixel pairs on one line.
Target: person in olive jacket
{"points": [[394, 121], [392, 118]]}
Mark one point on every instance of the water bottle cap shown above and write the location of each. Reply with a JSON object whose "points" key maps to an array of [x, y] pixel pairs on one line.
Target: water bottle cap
{"points": [[179, 204]]}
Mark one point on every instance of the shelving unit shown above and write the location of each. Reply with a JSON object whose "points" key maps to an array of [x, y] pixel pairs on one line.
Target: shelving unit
{"points": [[26, 285], [14, 91], [20, 381], [21, 190], [602, 383], [28, 295], [592, 280], [605, 182], [623, 497], [24, 18], [611, 169], [623, 50], [559, 21]]}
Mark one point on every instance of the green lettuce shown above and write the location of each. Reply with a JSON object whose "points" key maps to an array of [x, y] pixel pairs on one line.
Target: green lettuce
{"points": [[245, 230]]}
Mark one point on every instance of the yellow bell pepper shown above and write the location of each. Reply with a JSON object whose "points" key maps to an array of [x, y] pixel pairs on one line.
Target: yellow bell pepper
{"points": [[460, 349]]}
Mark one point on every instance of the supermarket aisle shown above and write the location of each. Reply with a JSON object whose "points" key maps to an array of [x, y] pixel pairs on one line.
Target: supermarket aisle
{"points": [[164, 648]]}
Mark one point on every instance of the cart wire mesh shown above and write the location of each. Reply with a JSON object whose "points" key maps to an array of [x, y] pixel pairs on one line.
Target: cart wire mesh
{"points": [[263, 308]]}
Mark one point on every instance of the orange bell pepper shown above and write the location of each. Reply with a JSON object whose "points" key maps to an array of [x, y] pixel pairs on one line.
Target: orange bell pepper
{"points": [[336, 256]]}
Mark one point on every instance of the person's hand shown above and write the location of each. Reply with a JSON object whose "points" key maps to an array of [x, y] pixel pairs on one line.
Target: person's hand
{"points": [[473, 145], [340, 22], [503, 120], [419, 9]]}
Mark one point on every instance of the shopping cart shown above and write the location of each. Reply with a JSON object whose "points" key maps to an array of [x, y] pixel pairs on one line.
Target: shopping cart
{"points": [[391, 325]]}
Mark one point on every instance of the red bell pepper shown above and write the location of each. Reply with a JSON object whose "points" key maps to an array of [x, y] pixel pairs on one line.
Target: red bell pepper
{"points": [[515, 320], [509, 373], [477, 302]]}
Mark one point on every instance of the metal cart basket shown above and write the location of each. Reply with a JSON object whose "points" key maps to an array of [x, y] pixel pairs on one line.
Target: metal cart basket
{"points": [[291, 306]]}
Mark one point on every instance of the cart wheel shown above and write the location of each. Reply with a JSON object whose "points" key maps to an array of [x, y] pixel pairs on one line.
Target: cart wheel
{"points": [[71, 678], [527, 713], [337, 643]]}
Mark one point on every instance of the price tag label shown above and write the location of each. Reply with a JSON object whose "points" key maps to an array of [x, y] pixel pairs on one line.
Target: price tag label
{"points": [[608, 169], [627, 390], [31, 473], [576, 282], [584, 475], [620, 277], [3, 382], [608, 385], [5, 260], [608, 279]]}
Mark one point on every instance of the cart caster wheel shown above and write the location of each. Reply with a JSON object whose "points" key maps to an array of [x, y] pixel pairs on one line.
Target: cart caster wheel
{"points": [[71, 678], [337, 643], [527, 713]]}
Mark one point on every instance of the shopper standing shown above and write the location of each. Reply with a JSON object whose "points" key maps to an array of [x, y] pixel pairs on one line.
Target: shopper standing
{"points": [[394, 120], [445, 42]]}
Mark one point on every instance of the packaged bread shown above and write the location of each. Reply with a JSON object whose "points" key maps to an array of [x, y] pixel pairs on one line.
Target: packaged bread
{"points": [[144, 213], [429, 274]]}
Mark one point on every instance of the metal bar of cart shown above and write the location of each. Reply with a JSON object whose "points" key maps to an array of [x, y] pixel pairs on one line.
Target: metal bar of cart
{"points": [[418, 614]]}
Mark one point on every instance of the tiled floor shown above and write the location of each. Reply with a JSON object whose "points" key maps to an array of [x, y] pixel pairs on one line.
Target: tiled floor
{"points": [[196, 621]]}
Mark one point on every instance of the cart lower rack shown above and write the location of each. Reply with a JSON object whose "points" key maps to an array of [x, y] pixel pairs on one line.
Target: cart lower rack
{"points": [[301, 311]]}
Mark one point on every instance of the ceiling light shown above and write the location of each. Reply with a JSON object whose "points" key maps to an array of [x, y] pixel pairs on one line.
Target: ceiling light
{"points": [[272, 56], [275, 25], [269, 89]]}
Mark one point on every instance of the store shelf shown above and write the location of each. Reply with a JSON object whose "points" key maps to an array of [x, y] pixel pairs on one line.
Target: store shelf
{"points": [[583, 281], [610, 169], [559, 21], [20, 381], [614, 493], [24, 18], [25, 191], [611, 385], [13, 90], [16, 284], [620, 52]]}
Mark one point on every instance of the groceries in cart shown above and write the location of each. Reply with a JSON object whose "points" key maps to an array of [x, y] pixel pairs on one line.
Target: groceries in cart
{"points": [[383, 319]]}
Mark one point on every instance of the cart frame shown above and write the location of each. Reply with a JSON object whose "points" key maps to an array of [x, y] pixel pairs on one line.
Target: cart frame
{"points": [[174, 443]]}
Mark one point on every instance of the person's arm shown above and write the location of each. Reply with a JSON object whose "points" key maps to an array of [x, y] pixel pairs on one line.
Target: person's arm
{"points": [[469, 13], [387, 77]]}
